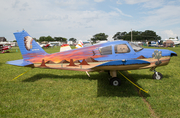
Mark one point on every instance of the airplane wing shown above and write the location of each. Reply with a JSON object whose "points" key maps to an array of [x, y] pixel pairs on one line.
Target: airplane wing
{"points": [[122, 65]]}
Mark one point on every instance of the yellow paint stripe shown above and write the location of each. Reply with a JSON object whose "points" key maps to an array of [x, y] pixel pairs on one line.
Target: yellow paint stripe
{"points": [[20, 75], [133, 83]]}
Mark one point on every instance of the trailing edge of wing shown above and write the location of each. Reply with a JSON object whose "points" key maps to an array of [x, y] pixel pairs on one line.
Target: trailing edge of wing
{"points": [[20, 62]]}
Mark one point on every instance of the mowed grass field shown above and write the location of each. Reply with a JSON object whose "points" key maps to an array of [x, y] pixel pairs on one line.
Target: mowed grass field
{"points": [[67, 94]]}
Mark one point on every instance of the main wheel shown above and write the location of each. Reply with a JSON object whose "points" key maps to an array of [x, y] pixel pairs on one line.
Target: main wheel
{"points": [[157, 75], [115, 81]]}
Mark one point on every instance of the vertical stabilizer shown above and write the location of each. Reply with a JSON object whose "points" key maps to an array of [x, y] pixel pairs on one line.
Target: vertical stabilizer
{"points": [[28, 46], [80, 44]]}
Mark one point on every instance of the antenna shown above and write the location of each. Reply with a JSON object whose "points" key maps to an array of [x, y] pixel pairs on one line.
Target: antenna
{"points": [[131, 35]]}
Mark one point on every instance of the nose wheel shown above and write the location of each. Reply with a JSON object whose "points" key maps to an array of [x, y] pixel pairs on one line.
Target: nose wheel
{"points": [[157, 76]]}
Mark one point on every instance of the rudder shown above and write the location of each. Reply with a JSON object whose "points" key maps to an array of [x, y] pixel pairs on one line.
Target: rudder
{"points": [[28, 46]]}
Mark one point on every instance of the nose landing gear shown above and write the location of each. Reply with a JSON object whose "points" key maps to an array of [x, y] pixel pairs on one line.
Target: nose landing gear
{"points": [[156, 75]]}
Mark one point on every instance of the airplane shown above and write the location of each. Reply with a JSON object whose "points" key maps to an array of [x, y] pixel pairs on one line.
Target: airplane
{"points": [[108, 57], [80, 44], [45, 45], [65, 47], [5, 47]]}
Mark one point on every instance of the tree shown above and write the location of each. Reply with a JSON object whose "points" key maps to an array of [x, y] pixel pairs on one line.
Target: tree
{"points": [[72, 39], [57, 38], [49, 38], [150, 35], [137, 36], [99, 37], [42, 38], [61, 39], [119, 35], [171, 38]]}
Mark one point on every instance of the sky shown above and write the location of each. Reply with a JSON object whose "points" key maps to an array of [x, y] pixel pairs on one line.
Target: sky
{"points": [[81, 19]]}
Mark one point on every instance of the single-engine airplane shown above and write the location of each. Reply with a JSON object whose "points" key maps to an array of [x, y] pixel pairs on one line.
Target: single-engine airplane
{"points": [[110, 57], [6, 47]]}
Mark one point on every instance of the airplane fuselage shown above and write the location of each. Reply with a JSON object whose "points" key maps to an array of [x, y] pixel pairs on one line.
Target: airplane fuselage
{"points": [[103, 53]]}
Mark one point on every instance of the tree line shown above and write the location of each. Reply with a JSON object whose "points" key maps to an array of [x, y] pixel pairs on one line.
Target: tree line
{"points": [[49, 38], [147, 35]]}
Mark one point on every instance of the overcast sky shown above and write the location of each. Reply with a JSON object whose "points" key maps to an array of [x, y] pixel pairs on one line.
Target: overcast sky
{"points": [[81, 19]]}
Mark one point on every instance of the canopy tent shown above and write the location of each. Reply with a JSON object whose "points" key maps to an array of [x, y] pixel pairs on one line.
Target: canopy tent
{"points": [[168, 43]]}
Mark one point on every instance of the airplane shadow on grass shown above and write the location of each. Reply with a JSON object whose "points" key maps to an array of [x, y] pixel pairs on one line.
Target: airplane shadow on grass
{"points": [[104, 89]]}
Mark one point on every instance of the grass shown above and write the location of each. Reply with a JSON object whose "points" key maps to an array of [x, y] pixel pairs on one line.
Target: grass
{"points": [[61, 93]]}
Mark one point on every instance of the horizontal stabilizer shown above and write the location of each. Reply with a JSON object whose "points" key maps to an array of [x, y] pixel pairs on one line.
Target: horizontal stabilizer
{"points": [[20, 62]]}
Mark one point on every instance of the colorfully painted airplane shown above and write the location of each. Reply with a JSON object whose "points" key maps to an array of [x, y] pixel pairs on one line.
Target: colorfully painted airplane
{"points": [[111, 57]]}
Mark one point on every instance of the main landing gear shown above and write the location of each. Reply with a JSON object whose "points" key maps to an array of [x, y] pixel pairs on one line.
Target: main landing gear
{"points": [[114, 80], [156, 75]]}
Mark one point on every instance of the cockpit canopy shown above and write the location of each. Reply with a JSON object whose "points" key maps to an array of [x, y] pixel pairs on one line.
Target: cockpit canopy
{"points": [[119, 48]]}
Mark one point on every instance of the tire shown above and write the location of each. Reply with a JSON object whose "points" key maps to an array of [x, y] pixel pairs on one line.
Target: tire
{"points": [[157, 77], [115, 81]]}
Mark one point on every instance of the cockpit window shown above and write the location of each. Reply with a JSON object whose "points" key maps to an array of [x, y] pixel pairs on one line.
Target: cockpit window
{"points": [[121, 48], [106, 50], [135, 47]]}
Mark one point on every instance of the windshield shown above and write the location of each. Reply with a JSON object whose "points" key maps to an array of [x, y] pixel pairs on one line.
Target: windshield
{"points": [[135, 47]]}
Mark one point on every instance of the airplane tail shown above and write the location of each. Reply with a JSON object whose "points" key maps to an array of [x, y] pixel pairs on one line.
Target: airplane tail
{"points": [[28, 46], [80, 44]]}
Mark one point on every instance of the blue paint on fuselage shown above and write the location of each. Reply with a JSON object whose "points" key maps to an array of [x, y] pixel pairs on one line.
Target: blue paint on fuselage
{"points": [[147, 53]]}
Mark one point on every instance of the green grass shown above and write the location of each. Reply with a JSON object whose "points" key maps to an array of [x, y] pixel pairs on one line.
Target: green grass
{"points": [[61, 93]]}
